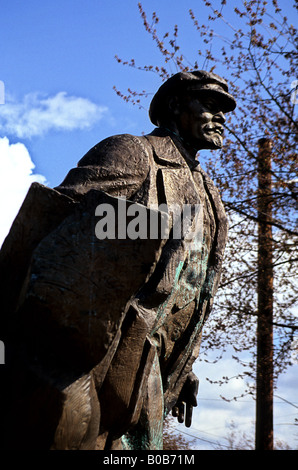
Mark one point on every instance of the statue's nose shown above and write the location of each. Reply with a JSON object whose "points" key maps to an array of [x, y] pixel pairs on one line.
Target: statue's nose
{"points": [[220, 117]]}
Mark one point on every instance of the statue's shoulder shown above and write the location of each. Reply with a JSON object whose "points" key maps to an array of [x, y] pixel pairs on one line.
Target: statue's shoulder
{"points": [[125, 148]]}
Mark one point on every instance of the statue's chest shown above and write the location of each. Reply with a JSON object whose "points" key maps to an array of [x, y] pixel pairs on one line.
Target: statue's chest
{"points": [[183, 194], [193, 220]]}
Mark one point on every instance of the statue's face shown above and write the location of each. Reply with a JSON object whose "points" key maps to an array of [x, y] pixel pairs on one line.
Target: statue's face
{"points": [[199, 121]]}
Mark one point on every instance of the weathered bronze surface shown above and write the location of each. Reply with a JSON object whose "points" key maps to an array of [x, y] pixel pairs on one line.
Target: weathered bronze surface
{"points": [[101, 334]]}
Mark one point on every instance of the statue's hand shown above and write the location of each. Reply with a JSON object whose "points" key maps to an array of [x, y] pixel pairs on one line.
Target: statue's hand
{"points": [[187, 400]]}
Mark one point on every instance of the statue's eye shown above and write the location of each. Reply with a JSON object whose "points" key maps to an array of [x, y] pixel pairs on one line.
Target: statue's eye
{"points": [[211, 105]]}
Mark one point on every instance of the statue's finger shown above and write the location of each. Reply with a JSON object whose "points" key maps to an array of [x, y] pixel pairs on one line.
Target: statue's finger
{"points": [[188, 415], [181, 413], [193, 400]]}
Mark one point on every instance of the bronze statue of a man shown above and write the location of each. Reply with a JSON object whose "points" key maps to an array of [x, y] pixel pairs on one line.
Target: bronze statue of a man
{"points": [[102, 338]]}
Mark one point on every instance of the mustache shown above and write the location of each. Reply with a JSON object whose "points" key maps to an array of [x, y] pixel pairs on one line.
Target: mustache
{"points": [[218, 128]]}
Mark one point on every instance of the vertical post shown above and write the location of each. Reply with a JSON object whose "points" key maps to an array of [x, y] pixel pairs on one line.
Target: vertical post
{"points": [[264, 401]]}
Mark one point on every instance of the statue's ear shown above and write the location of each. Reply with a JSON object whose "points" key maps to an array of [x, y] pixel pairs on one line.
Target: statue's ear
{"points": [[174, 105]]}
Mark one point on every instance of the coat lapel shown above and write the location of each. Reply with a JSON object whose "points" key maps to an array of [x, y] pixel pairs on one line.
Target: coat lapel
{"points": [[175, 185]]}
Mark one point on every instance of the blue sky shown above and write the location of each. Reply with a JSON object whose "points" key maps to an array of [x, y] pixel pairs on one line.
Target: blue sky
{"points": [[51, 47], [60, 51], [58, 67]]}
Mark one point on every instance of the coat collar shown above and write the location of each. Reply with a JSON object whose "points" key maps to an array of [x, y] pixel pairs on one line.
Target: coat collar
{"points": [[169, 150]]}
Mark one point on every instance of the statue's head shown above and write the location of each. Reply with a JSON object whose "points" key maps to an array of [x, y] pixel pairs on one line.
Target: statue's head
{"points": [[193, 105]]}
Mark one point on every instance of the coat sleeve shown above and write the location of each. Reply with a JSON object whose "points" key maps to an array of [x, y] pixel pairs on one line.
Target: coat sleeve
{"points": [[117, 165]]}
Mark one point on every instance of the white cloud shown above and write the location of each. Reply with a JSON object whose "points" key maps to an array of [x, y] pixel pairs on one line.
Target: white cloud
{"points": [[16, 177], [38, 114], [35, 115]]}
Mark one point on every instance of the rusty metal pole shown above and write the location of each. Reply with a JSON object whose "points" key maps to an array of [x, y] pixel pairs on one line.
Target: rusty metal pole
{"points": [[264, 399]]}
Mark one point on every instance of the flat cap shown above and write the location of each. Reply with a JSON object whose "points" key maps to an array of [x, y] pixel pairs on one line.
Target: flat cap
{"points": [[198, 81]]}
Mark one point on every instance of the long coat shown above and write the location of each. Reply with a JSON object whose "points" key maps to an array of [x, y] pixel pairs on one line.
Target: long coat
{"points": [[154, 337], [152, 170]]}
